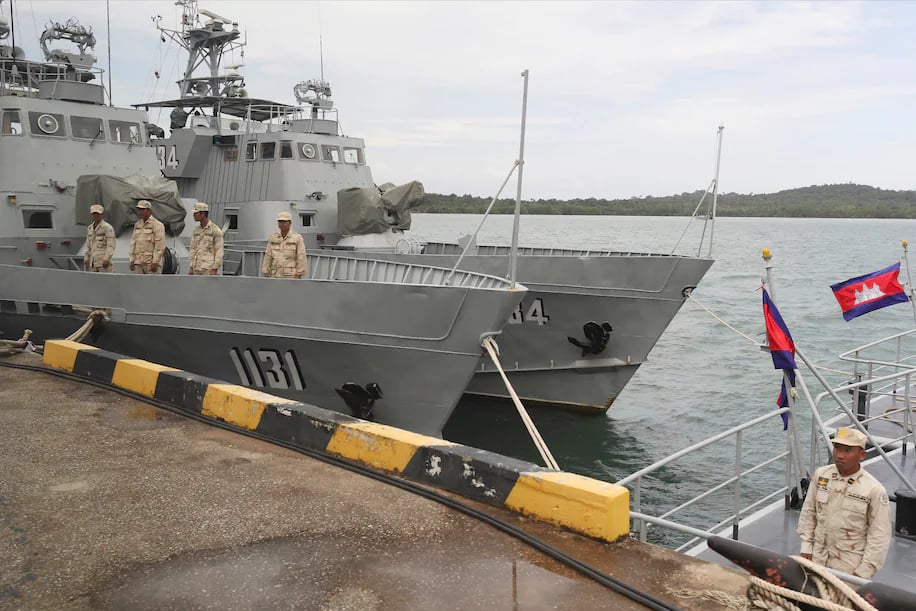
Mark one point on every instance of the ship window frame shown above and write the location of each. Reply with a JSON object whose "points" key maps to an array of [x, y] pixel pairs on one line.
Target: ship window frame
{"points": [[114, 132], [29, 214], [286, 149], [330, 153], [359, 155], [36, 115], [267, 151], [99, 124], [7, 124], [308, 218], [232, 217], [251, 150], [303, 151]]}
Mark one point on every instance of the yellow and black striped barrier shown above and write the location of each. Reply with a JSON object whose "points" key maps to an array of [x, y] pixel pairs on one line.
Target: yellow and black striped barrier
{"points": [[591, 507]]}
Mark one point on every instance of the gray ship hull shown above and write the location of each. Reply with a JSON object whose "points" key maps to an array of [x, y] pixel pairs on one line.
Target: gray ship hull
{"points": [[638, 295], [295, 338]]}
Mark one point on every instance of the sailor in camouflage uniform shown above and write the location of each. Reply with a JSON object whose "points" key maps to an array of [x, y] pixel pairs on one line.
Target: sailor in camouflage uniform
{"points": [[147, 242], [100, 242], [845, 523], [206, 256], [285, 255]]}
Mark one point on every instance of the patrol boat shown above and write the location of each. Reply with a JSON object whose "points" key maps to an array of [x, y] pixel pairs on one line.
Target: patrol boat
{"points": [[55, 126], [324, 339], [736, 519], [590, 318]]}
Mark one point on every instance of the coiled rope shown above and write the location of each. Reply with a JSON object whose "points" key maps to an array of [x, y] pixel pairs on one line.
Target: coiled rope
{"points": [[834, 594]]}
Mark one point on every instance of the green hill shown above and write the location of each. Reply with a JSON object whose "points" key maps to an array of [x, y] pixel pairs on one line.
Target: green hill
{"points": [[818, 201]]}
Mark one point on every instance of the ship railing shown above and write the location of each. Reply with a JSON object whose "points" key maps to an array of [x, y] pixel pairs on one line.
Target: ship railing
{"points": [[445, 248], [277, 117], [21, 77], [742, 504], [241, 261]]}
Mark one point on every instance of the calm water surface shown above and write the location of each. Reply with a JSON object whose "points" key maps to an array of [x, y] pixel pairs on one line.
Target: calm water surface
{"points": [[702, 377]]}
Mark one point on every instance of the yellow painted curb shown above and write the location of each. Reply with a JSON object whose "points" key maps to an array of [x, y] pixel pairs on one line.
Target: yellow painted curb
{"points": [[589, 506], [377, 445], [237, 405], [138, 376], [61, 353]]}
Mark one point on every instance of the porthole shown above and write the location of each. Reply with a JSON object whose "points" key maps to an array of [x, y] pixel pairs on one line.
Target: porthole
{"points": [[48, 124], [308, 151]]}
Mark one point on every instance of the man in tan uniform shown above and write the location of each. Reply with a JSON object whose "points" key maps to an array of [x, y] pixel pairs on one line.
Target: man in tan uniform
{"points": [[100, 242], [285, 255], [845, 523], [147, 242], [206, 255]]}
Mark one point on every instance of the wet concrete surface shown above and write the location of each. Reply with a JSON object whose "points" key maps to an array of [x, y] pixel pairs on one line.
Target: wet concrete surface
{"points": [[109, 503]]}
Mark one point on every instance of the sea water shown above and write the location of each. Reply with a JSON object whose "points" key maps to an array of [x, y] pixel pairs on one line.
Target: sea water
{"points": [[702, 377]]}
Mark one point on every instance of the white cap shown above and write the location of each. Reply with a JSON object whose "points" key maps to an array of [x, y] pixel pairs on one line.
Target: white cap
{"points": [[143, 204], [96, 208], [284, 216]]}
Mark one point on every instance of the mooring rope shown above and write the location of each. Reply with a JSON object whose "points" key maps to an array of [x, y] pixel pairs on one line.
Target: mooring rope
{"points": [[493, 350], [834, 594]]}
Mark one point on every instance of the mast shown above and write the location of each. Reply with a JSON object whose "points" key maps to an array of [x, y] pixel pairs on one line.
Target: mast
{"points": [[206, 44], [518, 189]]}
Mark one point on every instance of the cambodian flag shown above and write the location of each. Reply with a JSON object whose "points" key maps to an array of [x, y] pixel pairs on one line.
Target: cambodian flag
{"points": [[873, 291], [782, 349]]}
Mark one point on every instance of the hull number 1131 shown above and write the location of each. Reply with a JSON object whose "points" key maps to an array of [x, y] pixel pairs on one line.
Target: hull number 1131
{"points": [[267, 368]]}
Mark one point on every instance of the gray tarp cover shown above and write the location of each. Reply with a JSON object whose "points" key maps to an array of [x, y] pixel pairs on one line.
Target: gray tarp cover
{"points": [[120, 195], [362, 211]]}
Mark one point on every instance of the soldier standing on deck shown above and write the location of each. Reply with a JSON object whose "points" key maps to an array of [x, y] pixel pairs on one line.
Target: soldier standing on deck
{"points": [[845, 523], [100, 242], [147, 242], [285, 255], [206, 256]]}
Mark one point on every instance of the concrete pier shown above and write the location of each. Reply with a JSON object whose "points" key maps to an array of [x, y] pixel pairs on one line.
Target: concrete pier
{"points": [[108, 502]]}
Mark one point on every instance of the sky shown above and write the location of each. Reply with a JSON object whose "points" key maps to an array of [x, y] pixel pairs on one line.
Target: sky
{"points": [[624, 99]]}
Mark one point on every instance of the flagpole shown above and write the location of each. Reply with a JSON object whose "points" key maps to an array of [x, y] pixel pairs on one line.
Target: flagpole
{"points": [[792, 442], [909, 278]]}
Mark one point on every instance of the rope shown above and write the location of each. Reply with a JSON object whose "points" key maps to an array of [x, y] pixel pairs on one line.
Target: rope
{"points": [[81, 333], [690, 297], [493, 350], [834, 594], [9, 347]]}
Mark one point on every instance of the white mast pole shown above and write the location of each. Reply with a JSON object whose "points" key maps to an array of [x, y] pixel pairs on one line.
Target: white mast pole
{"points": [[518, 191], [715, 189]]}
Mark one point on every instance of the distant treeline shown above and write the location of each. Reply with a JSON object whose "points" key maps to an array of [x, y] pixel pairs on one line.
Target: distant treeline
{"points": [[819, 201]]}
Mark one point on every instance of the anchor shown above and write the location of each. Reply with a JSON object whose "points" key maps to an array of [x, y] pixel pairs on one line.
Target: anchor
{"points": [[596, 337], [360, 400]]}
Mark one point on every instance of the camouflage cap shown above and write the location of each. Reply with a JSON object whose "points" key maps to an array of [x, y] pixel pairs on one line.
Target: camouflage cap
{"points": [[849, 437], [96, 208], [201, 207], [143, 204], [284, 216]]}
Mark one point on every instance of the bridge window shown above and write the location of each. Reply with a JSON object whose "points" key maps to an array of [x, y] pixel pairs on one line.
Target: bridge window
{"points": [[308, 151], [251, 151], [233, 219], [125, 132], [352, 155], [330, 153], [87, 128], [307, 219], [47, 124], [11, 124], [37, 219], [286, 149], [268, 150]]}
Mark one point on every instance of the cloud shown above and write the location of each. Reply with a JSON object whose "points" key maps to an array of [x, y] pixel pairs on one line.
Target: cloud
{"points": [[624, 97]]}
